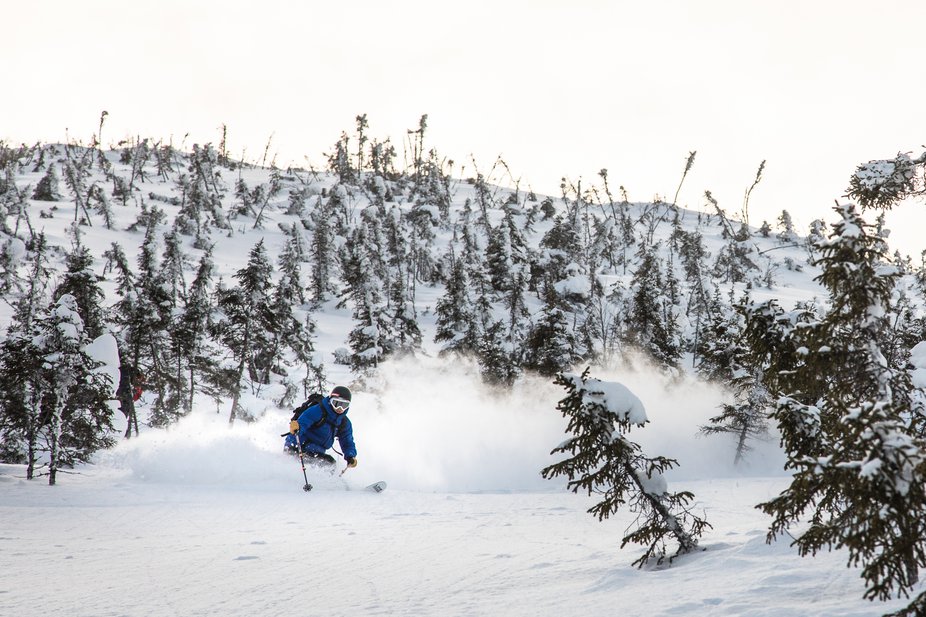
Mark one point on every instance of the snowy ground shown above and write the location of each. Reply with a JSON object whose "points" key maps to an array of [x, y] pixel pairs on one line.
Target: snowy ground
{"points": [[107, 544], [206, 520]]}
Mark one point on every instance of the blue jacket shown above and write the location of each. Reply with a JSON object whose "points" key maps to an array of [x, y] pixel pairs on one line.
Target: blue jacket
{"points": [[322, 437]]}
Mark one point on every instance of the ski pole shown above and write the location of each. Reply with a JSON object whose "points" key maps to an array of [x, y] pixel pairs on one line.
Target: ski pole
{"points": [[307, 487]]}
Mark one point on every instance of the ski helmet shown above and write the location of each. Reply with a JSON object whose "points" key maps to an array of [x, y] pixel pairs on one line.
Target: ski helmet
{"points": [[341, 392], [340, 398]]}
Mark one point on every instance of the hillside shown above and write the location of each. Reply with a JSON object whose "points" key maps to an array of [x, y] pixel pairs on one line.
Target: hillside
{"points": [[448, 304]]}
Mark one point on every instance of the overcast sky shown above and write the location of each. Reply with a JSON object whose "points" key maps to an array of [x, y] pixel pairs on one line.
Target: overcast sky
{"points": [[557, 88]]}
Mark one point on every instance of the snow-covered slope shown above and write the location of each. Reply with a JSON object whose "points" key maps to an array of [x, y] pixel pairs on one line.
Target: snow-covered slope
{"points": [[204, 519]]}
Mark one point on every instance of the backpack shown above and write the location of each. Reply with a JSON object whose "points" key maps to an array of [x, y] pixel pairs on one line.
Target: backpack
{"points": [[314, 399]]}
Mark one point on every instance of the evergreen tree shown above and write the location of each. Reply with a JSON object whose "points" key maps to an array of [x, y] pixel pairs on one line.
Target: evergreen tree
{"points": [[422, 265], [322, 251], [47, 188], [498, 362], [403, 319], [96, 196], [786, 233], [647, 327], [82, 284], [148, 328], [21, 369], [846, 418], [194, 352], [550, 347], [75, 419], [173, 266], [125, 317], [247, 326], [370, 340], [725, 359], [602, 459], [290, 262], [457, 329]]}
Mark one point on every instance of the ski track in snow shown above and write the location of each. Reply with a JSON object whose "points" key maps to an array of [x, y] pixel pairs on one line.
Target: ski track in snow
{"points": [[105, 543]]}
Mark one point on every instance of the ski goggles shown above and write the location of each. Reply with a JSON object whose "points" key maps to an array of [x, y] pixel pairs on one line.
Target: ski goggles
{"points": [[340, 404]]}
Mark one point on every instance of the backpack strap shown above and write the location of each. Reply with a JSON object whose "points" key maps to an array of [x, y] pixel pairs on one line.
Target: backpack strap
{"points": [[314, 399], [324, 418]]}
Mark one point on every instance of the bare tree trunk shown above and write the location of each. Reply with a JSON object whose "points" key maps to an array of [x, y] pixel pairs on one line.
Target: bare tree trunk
{"points": [[237, 395], [740, 446], [53, 445]]}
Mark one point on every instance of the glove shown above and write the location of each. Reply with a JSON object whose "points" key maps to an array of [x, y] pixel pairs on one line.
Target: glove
{"points": [[294, 427], [351, 461]]}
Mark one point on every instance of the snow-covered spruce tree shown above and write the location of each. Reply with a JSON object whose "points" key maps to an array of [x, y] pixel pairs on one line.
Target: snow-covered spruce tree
{"points": [[149, 324], [845, 417], [422, 265], [164, 155], [11, 253], [602, 460], [403, 320], [20, 369], [551, 346], [433, 188], [96, 197], [370, 339], [725, 359], [339, 161], [47, 189], [291, 342], [882, 184], [80, 282], [560, 249], [207, 187], [75, 420], [322, 251], [76, 171], [246, 326], [457, 328], [173, 268], [290, 263], [647, 326], [499, 363], [14, 203], [746, 418], [602, 321], [20, 394], [786, 233], [193, 351], [123, 317]]}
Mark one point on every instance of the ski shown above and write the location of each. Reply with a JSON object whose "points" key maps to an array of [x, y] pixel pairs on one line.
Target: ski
{"points": [[376, 487]]}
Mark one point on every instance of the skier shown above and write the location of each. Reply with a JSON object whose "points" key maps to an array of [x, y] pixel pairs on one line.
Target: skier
{"points": [[317, 426]]}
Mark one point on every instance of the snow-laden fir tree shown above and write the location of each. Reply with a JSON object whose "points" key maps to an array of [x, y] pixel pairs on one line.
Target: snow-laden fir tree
{"points": [[246, 326], [650, 325], [290, 263], [80, 282], [75, 420], [21, 366], [846, 418], [47, 189], [323, 251], [194, 352], [370, 340], [601, 459], [456, 326], [551, 346], [725, 359]]}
